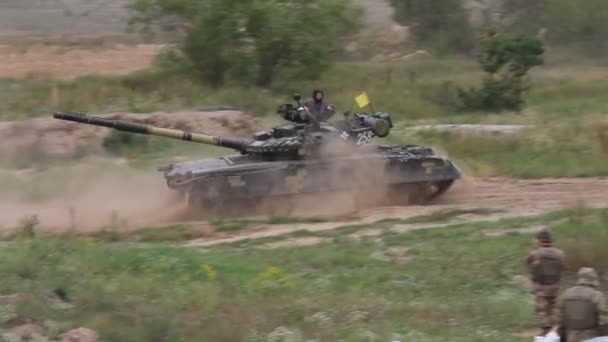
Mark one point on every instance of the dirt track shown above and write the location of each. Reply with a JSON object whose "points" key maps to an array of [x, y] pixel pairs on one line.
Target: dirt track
{"points": [[531, 194], [517, 197]]}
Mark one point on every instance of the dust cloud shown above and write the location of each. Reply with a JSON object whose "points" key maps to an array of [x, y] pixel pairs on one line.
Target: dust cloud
{"points": [[86, 197], [360, 172]]}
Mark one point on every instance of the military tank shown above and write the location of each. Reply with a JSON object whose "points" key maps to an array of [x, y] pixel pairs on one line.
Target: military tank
{"points": [[300, 157]]}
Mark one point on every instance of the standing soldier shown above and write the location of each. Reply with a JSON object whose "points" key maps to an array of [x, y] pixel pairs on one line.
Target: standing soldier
{"points": [[546, 264], [318, 108], [581, 311]]}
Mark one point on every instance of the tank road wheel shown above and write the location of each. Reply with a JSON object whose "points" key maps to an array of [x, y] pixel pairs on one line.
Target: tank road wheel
{"points": [[417, 194], [405, 194], [440, 189], [199, 206]]}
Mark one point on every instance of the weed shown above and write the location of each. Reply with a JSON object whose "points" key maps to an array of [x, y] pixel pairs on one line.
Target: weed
{"points": [[166, 234], [449, 214], [27, 227], [228, 225]]}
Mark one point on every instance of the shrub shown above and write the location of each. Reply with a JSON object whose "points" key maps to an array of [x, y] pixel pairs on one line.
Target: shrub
{"points": [[123, 143], [506, 59]]}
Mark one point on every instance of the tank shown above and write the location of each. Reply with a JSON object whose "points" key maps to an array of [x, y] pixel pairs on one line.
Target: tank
{"points": [[299, 158]]}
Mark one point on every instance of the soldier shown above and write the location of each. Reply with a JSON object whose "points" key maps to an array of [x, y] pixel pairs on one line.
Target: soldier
{"points": [[581, 310], [546, 264], [318, 108]]}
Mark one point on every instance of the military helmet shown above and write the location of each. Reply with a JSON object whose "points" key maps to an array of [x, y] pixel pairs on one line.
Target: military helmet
{"points": [[544, 235], [587, 276]]}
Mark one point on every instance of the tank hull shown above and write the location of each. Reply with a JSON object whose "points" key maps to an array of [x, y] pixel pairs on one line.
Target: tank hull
{"points": [[406, 174]]}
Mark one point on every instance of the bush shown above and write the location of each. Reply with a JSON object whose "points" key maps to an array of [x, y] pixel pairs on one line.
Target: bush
{"points": [[506, 60], [252, 40], [123, 143]]}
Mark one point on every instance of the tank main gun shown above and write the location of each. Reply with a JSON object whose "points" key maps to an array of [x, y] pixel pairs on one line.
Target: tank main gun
{"points": [[133, 127]]}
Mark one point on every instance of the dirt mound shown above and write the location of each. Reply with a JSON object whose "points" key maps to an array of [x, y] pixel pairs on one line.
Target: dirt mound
{"points": [[52, 137]]}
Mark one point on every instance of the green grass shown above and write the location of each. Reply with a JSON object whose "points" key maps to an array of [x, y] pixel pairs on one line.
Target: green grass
{"points": [[571, 148], [229, 225], [569, 97], [449, 214], [331, 291]]}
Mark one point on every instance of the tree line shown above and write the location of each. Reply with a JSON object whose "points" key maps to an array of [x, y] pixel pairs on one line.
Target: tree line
{"points": [[253, 42]]}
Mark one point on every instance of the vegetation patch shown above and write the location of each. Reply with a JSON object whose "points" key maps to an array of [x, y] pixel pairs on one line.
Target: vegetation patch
{"points": [[450, 214], [568, 149], [342, 290], [229, 225]]}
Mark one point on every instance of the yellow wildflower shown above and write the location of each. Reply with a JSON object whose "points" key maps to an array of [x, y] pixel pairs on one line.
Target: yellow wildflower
{"points": [[211, 273], [275, 275]]}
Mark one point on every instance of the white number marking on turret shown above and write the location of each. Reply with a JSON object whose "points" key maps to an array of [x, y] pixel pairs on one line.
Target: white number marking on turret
{"points": [[364, 138]]}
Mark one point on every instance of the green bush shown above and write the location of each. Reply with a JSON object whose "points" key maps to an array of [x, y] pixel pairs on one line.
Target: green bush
{"points": [[506, 59], [252, 41], [122, 143]]}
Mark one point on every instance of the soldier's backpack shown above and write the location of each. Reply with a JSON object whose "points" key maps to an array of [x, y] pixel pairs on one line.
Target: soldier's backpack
{"points": [[548, 269], [580, 313]]}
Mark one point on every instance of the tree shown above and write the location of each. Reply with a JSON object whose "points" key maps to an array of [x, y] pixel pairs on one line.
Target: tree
{"points": [[441, 24], [252, 40], [506, 59]]}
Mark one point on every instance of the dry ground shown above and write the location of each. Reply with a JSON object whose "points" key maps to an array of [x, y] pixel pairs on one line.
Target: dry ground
{"points": [[70, 62], [515, 198]]}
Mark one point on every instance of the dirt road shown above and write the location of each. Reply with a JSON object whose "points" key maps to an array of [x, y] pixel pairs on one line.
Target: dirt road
{"points": [[116, 191], [532, 194], [514, 197]]}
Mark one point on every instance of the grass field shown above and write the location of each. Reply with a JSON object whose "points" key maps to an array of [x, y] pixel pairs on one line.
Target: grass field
{"points": [[453, 282], [571, 147], [422, 89]]}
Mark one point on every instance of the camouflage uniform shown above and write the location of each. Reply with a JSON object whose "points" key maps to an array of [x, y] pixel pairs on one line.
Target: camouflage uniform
{"points": [[581, 311], [319, 109], [546, 264]]}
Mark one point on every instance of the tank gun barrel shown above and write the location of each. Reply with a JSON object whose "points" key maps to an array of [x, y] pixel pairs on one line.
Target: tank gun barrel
{"points": [[134, 127]]}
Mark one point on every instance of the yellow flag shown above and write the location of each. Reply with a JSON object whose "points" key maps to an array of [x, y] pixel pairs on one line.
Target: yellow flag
{"points": [[362, 100]]}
